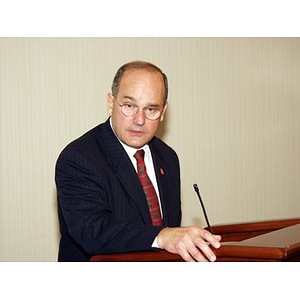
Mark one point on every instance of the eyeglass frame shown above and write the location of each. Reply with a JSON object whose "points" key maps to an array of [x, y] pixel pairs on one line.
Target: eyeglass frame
{"points": [[138, 109]]}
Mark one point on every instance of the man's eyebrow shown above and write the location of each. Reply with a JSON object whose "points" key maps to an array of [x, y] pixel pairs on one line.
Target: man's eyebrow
{"points": [[134, 100], [130, 98]]}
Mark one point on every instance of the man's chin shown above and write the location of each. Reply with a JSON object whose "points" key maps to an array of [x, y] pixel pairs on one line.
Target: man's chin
{"points": [[137, 144]]}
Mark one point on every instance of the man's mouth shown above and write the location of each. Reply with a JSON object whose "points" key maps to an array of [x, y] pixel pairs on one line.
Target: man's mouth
{"points": [[136, 132]]}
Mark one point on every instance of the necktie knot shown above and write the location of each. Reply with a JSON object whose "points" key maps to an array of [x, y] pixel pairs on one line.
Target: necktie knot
{"points": [[139, 155]]}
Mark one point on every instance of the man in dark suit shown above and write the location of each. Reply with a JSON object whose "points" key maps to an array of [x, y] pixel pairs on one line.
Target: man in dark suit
{"points": [[102, 206]]}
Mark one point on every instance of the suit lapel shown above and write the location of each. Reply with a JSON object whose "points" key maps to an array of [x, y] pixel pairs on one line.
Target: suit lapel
{"points": [[125, 171], [130, 181]]}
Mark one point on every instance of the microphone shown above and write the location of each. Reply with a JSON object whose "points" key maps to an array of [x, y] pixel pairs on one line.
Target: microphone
{"points": [[202, 205]]}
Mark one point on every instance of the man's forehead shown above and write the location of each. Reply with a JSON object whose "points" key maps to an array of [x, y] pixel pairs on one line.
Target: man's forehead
{"points": [[134, 82], [140, 72]]}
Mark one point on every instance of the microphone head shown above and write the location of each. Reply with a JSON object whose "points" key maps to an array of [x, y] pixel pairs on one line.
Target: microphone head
{"points": [[196, 187]]}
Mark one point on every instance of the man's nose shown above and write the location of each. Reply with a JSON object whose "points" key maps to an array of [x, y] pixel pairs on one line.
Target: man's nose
{"points": [[140, 117]]}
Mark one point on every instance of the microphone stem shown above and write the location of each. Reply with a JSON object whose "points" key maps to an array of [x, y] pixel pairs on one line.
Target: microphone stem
{"points": [[203, 208]]}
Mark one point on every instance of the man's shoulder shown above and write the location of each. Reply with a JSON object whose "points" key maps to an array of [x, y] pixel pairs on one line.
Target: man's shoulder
{"points": [[87, 141], [85, 138], [159, 145]]}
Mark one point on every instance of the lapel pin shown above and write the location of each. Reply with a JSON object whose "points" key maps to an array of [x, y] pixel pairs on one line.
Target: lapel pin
{"points": [[162, 171]]}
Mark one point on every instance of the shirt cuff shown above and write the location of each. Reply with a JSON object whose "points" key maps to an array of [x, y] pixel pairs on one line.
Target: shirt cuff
{"points": [[154, 244]]}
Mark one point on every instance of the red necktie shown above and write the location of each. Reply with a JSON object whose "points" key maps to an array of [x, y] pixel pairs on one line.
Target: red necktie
{"points": [[149, 190]]}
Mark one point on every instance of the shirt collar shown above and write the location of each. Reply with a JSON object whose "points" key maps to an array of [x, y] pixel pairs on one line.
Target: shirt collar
{"points": [[130, 150]]}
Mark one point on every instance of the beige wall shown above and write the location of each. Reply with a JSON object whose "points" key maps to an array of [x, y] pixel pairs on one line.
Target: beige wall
{"points": [[233, 118]]}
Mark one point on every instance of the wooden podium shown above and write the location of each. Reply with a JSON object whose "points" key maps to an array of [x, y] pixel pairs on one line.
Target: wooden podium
{"points": [[276, 240]]}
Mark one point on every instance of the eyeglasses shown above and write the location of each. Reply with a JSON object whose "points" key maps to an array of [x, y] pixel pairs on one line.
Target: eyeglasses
{"points": [[151, 113]]}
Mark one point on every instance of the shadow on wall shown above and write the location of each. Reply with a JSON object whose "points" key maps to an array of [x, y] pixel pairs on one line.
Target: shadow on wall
{"points": [[55, 209], [162, 129]]}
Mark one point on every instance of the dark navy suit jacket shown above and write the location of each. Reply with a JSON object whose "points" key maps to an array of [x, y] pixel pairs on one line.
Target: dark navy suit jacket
{"points": [[101, 204]]}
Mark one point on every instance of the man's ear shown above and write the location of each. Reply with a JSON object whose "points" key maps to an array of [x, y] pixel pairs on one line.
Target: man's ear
{"points": [[110, 103], [163, 113]]}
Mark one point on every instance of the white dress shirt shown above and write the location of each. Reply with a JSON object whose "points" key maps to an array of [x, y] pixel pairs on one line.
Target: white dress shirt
{"points": [[148, 162]]}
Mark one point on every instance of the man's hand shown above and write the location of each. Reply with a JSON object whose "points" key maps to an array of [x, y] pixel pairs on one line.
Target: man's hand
{"points": [[189, 242]]}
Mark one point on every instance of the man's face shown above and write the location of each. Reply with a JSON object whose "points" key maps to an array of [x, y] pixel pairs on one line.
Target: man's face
{"points": [[143, 88]]}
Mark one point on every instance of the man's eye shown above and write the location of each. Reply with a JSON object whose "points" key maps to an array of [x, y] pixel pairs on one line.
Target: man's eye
{"points": [[151, 109], [128, 106]]}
